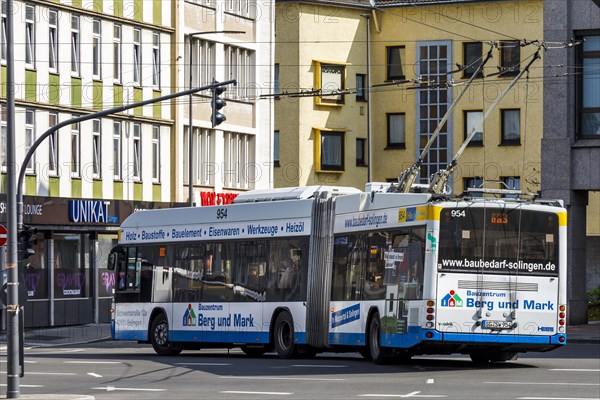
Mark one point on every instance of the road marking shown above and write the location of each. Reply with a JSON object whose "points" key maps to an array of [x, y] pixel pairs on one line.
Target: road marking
{"points": [[267, 393], [112, 389], [28, 386], [204, 364], [430, 381], [52, 373], [576, 370], [545, 383], [93, 362], [273, 378], [95, 375], [409, 395], [318, 366]]}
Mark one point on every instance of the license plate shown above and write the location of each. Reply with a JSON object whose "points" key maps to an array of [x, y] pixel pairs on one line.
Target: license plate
{"points": [[492, 324]]}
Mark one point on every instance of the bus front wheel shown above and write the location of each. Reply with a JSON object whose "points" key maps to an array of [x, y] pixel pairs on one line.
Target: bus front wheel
{"points": [[159, 337], [378, 354], [283, 335]]}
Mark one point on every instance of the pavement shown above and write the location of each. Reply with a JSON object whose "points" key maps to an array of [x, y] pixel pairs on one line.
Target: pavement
{"points": [[81, 334]]}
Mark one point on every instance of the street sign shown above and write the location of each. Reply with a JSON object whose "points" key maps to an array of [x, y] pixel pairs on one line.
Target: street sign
{"points": [[3, 235]]}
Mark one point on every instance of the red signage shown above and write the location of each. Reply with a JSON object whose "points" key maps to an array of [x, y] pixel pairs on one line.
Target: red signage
{"points": [[216, 199], [3, 235]]}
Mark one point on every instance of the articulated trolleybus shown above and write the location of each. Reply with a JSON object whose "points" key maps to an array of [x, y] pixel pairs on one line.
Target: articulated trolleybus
{"points": [[312, 269]]}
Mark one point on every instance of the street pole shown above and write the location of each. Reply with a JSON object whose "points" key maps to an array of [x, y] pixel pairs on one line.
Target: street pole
{"points": [[12, 308], [190, 122]]}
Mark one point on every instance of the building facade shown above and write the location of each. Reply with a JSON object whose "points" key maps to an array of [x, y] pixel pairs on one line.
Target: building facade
{"points": [[73, 59], [571, 143], [228, 40]]}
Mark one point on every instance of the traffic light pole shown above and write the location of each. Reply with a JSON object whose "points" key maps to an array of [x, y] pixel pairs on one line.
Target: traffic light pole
{"points": [[15, 214]]}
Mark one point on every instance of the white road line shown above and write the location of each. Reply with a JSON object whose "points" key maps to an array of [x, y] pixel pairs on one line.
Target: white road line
{"points": [[318, 366], [246, 392], [282, 378], [545, 383], [576, 370], [95, 375], [93, 362], [408, 395], [204, 364], [28, 386], [430, 381], [113, 389], [52, 373]]}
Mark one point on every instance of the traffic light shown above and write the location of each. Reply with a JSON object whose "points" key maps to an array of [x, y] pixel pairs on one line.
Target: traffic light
{"points": [[27, 242], [217, 103]]}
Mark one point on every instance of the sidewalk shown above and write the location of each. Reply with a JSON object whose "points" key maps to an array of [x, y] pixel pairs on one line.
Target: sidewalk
{"points": [[79, 334]]}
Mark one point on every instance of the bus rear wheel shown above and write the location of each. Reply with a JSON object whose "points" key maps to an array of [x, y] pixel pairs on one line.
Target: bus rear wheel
{"points": [[159, 337], [283, 335]]}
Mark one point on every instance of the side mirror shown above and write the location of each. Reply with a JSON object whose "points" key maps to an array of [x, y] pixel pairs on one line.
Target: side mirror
{"points": [[112, 261]]}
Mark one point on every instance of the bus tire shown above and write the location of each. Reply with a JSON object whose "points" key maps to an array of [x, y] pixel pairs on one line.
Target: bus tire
{"points": [[283, 335], [159, 337], [378, 354]]}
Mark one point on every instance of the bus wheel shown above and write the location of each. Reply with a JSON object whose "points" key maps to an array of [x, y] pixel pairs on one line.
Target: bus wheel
{"points": [[254, 351], [283, 335], [378, 355], [159, 337]]}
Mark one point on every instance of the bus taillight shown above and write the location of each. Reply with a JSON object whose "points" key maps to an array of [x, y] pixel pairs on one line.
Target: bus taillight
{"points": [[562, 318], [430, 311]]}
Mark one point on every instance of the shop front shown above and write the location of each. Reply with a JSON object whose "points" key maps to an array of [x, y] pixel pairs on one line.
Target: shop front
{"points": [[66, 279]]}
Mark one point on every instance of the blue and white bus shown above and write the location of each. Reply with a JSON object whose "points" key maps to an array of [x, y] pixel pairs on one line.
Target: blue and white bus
{"points": [[314, 269]]}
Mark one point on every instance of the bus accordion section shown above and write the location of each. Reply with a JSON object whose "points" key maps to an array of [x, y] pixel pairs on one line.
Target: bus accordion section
{"points": [[305, 270]]}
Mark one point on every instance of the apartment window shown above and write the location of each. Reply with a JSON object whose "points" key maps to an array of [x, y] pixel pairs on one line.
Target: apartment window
{"points": [[137, 151], [276, 87], [75, 45], [117, 154], [3, 136], [511, 126], [331, 151], [474, 120], [96, 149], [29, 136], [395, 56], [276, 148], [239, 65], [3, 33], [53, 145], [472, 59], [512, 183], [53, 40], [205, 157], [156, 60], [330, 80], [361, 145], [240, 169], [75, 149], [137, 56], [361, 81], [29, 35], [96, 48], [475, 183], [117, 53], [203, 62], [589, 88], [243, 8], [510, 57], [156, 153], [396, 135]]}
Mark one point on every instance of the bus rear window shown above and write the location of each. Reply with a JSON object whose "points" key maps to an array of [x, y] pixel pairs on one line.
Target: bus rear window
{"points": [[504, 241]]}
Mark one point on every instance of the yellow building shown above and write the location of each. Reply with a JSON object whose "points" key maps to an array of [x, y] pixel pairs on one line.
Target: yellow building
{"points": [[419, 58]]}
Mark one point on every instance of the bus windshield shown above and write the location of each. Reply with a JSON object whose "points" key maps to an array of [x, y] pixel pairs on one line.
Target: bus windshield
{"points": [[498, 241]]}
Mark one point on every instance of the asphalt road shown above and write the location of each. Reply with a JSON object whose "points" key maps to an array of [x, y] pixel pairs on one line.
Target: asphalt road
{"points": [[123, 370]]}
